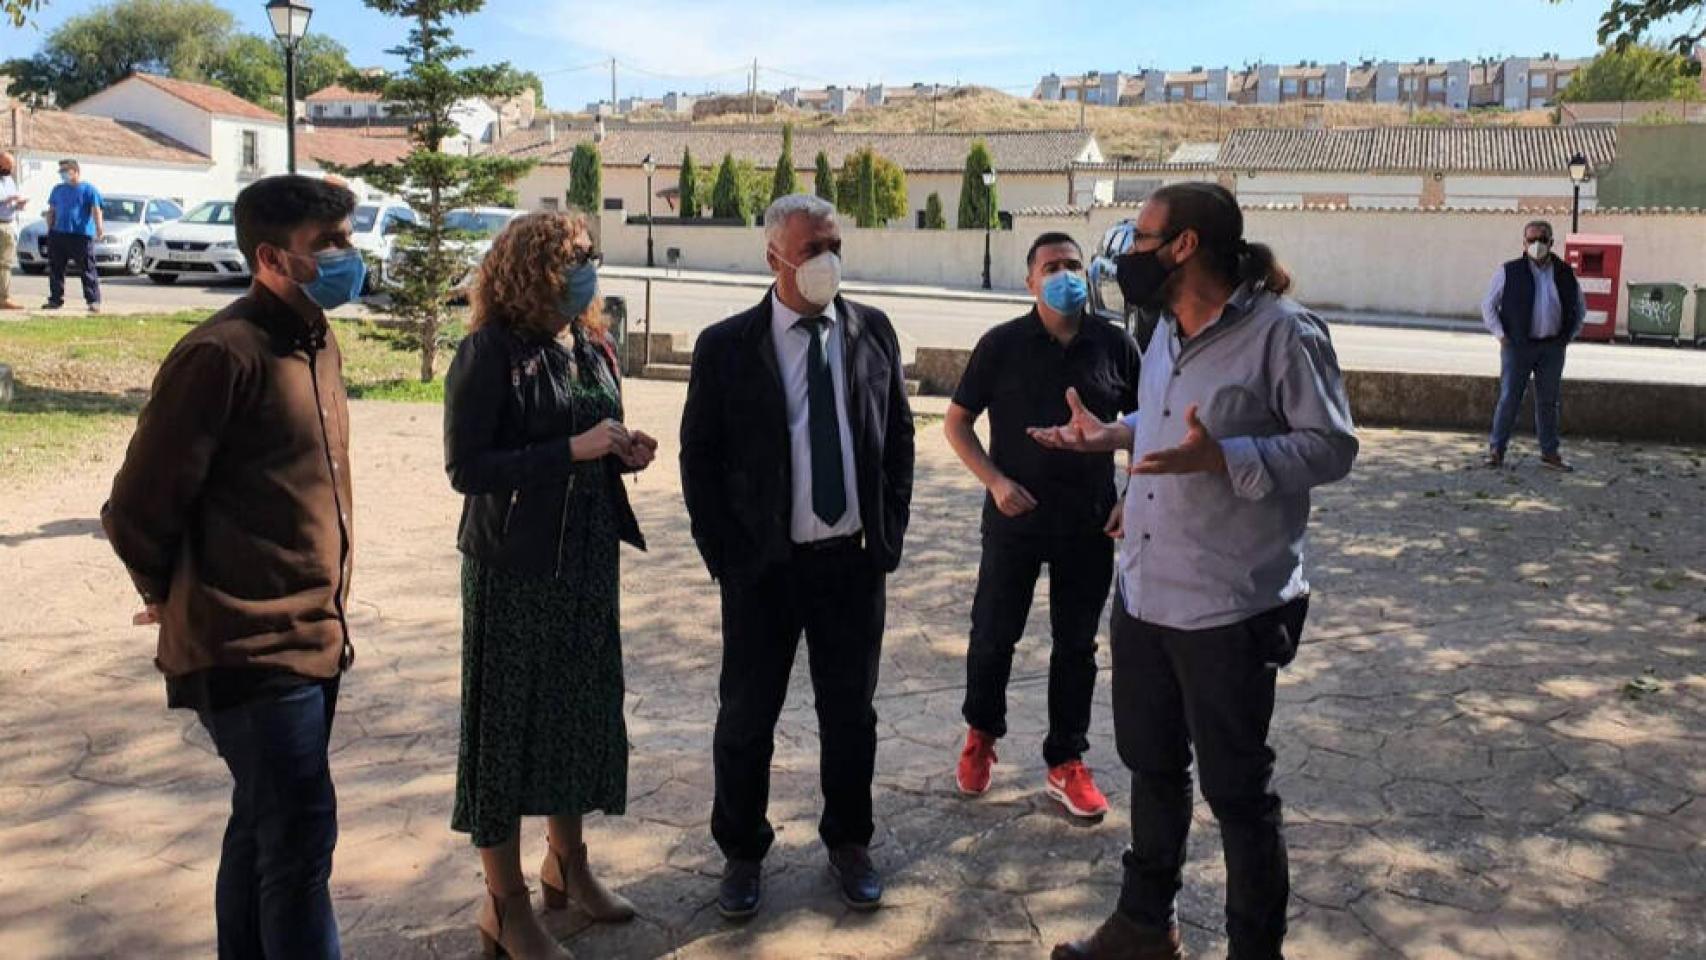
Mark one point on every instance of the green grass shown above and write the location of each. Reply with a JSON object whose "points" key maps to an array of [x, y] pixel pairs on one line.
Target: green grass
{"points": [[81, 380]]}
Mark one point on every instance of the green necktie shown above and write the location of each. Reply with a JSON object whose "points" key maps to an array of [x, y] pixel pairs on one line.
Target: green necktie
{"points": [[829, 490]]}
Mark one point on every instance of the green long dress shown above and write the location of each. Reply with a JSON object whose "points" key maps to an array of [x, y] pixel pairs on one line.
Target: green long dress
{"points": [[542, 727]]}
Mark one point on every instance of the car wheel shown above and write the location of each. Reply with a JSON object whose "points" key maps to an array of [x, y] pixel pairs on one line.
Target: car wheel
{"points": [[133, 260], [164, 279]]}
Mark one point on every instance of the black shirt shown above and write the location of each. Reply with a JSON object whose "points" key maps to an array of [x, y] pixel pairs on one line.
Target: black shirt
{"points": [[1019, 373]]}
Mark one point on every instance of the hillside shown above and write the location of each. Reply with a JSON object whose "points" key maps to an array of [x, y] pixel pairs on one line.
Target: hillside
{"points": [[1147, 132]]}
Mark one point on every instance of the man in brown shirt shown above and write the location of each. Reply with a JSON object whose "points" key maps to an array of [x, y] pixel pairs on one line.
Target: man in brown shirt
{"points": [[232, 514]]}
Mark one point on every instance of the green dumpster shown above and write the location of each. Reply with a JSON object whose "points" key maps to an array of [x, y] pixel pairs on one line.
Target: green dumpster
{"points": [[1655, 311], [1700, 316]]}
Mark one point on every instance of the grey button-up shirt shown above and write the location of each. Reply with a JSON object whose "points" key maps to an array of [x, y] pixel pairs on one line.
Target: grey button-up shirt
{"points": [[1209, 550]]}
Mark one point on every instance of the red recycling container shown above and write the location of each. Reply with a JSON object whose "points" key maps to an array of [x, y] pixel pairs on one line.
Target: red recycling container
{"points": [[1597, 259]]}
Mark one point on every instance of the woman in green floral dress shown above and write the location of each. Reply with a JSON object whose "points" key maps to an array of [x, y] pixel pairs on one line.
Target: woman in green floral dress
{"points": [[535, 442]]}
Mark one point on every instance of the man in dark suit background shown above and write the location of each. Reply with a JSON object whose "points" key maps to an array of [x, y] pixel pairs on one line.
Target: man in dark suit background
{"points": [[796, 464]]}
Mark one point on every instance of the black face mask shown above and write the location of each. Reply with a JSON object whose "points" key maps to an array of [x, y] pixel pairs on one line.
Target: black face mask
{"points": [[1142, 276]]}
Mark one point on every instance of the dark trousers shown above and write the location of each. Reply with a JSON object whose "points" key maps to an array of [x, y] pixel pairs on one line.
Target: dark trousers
{"points": [[836, 597], [272, 899], [73, 248], [1210, 692], [1544, 361], [1079, 571]]}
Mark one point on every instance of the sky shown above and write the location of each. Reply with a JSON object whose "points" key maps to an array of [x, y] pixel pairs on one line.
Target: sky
{"points": [[695, 45]]}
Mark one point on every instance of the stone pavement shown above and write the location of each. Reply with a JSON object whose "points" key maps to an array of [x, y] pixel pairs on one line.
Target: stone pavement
{"points": [[1492, 745]]}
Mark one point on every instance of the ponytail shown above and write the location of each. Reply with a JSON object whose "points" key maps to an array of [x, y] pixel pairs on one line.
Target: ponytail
{"points": [[1257, 264]]}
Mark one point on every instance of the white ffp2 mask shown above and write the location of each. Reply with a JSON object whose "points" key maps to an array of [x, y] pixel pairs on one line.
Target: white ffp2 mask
{"points": [[818, 279], [1538, 250]]}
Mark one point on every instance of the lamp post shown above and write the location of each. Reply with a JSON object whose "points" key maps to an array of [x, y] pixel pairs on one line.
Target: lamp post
{"points": [[289, 24], [988, 220], [650, 166], [1578, 175]]}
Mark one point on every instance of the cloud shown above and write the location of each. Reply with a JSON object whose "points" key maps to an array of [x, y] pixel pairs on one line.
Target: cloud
{"points": [[710, 43]]}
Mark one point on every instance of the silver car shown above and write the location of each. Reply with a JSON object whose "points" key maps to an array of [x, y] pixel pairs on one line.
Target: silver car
{"points": [[129, 219], [1105, 297]]}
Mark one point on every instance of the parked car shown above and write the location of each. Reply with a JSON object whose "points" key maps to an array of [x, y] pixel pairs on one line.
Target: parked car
{"points": [[129, 221], [374, 227], [1105, 298], [478, 227], [202, 245]]}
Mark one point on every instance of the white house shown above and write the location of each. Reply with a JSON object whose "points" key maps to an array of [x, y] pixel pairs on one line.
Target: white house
{"points": [[479, 120], [115, 156], [241, 141]]}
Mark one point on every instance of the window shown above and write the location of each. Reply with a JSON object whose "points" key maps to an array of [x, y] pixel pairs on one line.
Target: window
{"points": [[1408, 84], [1560, 81], [1436, 84], [1199, 91], [1537, 81], [1313, 88], [251, 151], [319, 110], [1288, 86], [349, 110], [549, 203], [1175, 93]]}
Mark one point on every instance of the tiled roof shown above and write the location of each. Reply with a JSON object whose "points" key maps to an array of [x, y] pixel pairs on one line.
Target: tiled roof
{"points": [[221, 103], [1420, 148], [1193, 153], [1036, 151], [322, 147], [341, 94], [62, 134]]}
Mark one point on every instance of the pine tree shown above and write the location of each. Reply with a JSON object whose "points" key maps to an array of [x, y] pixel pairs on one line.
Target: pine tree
{"points": [[934, 219], [432, 259], [687, 189], [586, 179], [728, 200], [865, 214], [786, 182], [978, 203], [825, 178]]}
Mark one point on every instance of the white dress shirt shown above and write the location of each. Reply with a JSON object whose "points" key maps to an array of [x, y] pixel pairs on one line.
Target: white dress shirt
{"points": [[8, 190], [792, 343], [1547, 320]]}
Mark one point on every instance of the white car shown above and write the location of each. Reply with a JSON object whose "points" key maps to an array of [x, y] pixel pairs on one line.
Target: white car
{"points": [[374, 228], [129, 220], [202, 246]]}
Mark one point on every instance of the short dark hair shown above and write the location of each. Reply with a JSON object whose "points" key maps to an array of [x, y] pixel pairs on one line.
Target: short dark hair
{"points": [[1542, 224], [1049, 239], [270, 209], [1212, 211], [72, 164]]}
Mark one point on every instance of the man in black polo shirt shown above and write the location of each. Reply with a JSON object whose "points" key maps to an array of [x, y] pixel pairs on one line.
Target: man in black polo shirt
{"points": [[1044, 507]]}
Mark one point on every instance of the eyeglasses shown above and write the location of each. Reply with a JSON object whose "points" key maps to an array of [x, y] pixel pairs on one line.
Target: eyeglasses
{"points": [[1129, 236]]}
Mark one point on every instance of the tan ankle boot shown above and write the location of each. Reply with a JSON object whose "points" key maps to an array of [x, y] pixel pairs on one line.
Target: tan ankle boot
{"points": [[566, 877], [509, 928]]}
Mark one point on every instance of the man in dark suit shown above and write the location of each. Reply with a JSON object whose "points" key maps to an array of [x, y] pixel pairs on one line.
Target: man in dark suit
{"points": [[796, 463]]}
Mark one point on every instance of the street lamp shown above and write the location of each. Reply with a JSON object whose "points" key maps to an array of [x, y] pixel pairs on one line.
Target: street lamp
{"points": [[988, 220], [650, 166], [1578, 176], [289, 24]]}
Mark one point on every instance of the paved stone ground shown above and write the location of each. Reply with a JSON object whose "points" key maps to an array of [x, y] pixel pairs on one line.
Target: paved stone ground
{"points": [[1465, 774]]}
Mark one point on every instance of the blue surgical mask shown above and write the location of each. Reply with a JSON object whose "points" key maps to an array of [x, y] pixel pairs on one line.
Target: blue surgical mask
{"points": [[64, 176], [1066, 292], [341, 277], [580, 285]]}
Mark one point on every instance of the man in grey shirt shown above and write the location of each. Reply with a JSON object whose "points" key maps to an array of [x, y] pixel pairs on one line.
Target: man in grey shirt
{"points": [[1535, 306], [1241, 412]]}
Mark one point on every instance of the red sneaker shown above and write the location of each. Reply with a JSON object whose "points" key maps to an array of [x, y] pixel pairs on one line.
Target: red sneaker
{"points": [[976, 761], [1072, 785]]}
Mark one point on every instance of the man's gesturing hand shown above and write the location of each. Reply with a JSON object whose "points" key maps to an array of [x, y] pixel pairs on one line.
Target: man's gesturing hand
{"points": [[1199, 453], [1082, 433]]}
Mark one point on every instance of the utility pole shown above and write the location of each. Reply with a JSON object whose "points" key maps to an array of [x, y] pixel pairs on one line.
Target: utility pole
{"points": [[1083, 98], [935, 91], [753, 117], [613, 86]]}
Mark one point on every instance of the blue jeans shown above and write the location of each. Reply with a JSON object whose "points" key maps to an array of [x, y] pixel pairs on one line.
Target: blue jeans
{"points": [[273, 901], [1517, 362]]}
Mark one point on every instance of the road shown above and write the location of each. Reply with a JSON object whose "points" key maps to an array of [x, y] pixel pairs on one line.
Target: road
{"points": [[685, 308]]}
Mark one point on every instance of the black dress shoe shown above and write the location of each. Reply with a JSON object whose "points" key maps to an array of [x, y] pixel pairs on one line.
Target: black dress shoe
{"points": [[742, 889], [1118, 938], [861, 886]]}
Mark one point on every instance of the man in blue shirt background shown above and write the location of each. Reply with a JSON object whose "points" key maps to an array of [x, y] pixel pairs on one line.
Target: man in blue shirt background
{"points": [[74, 223]]}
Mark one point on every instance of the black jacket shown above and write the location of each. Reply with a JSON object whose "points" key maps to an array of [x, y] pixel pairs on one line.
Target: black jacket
{"points": [[508, 420], [735, 459]]}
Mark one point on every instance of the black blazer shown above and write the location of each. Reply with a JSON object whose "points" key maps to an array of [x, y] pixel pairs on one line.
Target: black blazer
{"points": [[736, 469], [508, 420]]}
